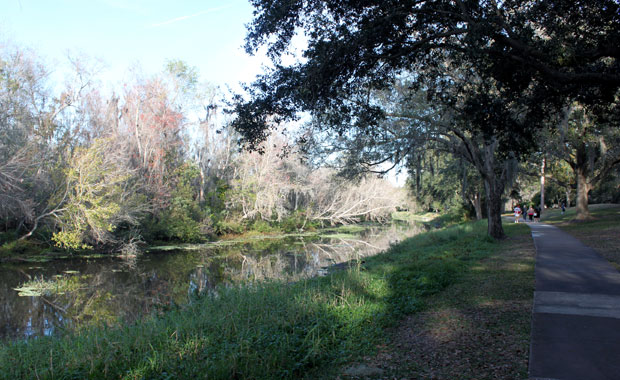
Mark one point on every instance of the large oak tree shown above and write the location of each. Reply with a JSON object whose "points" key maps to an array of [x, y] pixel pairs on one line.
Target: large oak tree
{"points": [[533, 56]]}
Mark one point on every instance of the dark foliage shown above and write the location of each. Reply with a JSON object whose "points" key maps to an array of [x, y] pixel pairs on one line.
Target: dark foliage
{"points": [[537, 52]]}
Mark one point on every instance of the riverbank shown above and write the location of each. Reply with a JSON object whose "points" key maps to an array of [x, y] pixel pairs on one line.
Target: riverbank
{"points": [[270, 330], [477, 328], [32, 250]]}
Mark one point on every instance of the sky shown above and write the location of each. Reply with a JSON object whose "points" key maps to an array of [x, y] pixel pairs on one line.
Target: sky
{"points": [[206, 34], [143, 34]]}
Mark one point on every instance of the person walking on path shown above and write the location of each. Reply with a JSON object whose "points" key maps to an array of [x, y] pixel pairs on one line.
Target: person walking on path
{"points": [[517, 213], [576, 314], [530, 213], [563, 207]]}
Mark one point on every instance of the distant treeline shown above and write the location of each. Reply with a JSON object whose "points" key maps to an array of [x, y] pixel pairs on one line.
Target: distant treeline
{"points": [[150, 162]]}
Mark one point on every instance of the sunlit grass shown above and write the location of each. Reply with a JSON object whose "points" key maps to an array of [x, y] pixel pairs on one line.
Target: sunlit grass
{"points": [[407, 216], [601, 213], [476, 328]]}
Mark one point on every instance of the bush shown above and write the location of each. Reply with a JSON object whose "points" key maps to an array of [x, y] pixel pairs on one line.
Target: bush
{"points": [[19, 248], [176, 225], [8, 236], [223, 227], [296, 222], [182, 219], [263, 227]]}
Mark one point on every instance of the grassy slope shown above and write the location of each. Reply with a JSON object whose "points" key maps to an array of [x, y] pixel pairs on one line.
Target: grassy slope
{"points": [[477, 328], [303, 329]]}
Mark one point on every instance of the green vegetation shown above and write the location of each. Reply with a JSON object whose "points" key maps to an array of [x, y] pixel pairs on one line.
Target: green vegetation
{"points": [[478, 328], [267, 330], [105, 183], [20, 248], [460, 93], [409, 217], [59, 285], [454, 215]]}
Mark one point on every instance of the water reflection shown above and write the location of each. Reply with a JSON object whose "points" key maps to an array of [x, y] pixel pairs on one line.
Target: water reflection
{"points": [[106, 290]]}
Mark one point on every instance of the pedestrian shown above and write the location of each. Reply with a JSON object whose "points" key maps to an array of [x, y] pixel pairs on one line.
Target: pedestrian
{"points": [[537, 214], [530, 213], [563, 207], [517, 213]]}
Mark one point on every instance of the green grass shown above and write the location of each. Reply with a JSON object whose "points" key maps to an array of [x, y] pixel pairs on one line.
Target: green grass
{"points": [[478, 327], [269, 330], [603, 215], [407, 216]]}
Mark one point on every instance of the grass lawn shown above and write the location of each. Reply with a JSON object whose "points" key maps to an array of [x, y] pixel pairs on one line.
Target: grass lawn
{"points": [[476, 328]]}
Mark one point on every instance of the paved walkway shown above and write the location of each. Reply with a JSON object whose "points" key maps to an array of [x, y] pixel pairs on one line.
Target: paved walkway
{"points": [[576, 317]]}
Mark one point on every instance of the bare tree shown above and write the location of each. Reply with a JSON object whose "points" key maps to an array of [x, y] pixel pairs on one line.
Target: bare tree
{"points": [[344, 202]]}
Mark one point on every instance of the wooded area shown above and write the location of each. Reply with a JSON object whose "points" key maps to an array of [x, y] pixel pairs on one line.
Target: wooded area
{"points": [[83, 169], [493, 84], [477, 101], [485, 105]]}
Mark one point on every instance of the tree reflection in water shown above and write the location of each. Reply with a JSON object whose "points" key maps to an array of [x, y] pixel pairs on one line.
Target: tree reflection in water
{"points": [[105, 290]]}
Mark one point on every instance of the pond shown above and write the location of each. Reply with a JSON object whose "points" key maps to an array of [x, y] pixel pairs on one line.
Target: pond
{"points": [[42, 299]]}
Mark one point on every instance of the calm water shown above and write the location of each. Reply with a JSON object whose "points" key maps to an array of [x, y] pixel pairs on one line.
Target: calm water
{"points": [[82, 292]]}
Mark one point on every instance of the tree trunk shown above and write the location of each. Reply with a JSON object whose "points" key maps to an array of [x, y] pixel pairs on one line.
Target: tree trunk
{"points": [[494, 208], [201, 191], [583, 187], [494, 187], [542, 186], [418, 178], [476, 202], [489, 168]]}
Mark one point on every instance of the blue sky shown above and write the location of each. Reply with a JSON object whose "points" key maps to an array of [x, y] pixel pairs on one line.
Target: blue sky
{"points": [[207, 34]]}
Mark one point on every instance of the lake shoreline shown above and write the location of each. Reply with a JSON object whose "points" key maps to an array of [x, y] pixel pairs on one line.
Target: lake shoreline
{"points": [[103, 287], [267, 329], [27, 251]]}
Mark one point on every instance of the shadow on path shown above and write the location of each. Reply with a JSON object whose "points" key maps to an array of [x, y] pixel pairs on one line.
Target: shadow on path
{"points": [[576, 315]]}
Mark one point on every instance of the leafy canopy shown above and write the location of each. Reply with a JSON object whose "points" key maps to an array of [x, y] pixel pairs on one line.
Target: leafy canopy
{"points": [[548, 50]]}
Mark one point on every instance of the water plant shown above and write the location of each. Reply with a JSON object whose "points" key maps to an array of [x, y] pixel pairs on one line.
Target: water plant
{"points": [[39, 286]]}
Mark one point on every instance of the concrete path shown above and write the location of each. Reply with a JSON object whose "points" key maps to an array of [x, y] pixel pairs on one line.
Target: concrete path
{"points": [[576, 316]]}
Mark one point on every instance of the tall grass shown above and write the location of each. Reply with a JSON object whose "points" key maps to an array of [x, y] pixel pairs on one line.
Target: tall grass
{"points": [[259, 331]]}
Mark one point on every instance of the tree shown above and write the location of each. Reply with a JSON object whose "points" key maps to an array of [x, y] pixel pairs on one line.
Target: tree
{"points": [[266, 186], [342, 202], [259, 184], [98, 198], [536, 54], [590, 147], [447, 182], [181, 220], [38, 130], [151, 125], [469, 120]]}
